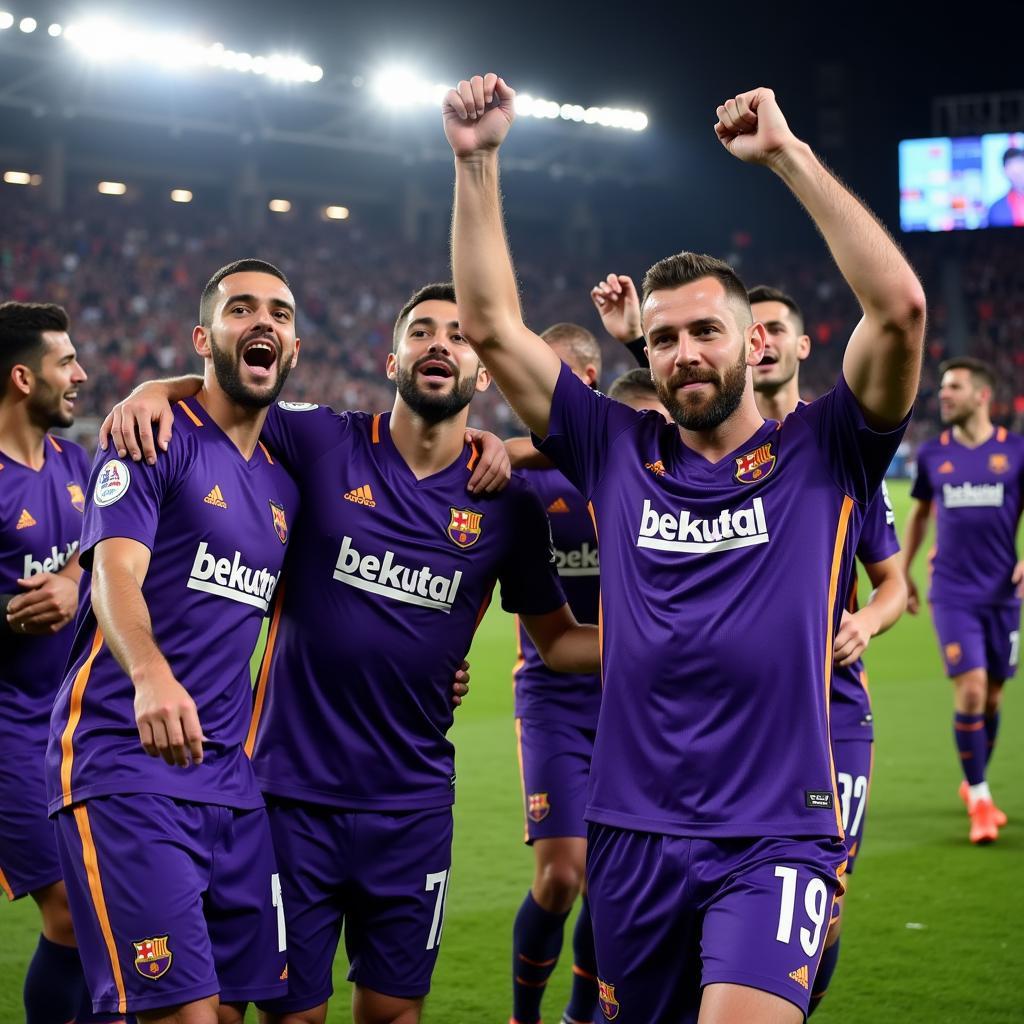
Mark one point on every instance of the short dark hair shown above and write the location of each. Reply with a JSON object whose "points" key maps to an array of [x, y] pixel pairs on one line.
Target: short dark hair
{"points": [[685, 267], [580, 343], [206, 303], [635, 383], [765, 293], [441, 291], [981, 373], [1012, 154], [22, 326]]}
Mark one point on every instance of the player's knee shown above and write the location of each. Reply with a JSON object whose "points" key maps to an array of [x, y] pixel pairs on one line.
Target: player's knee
{"points": [[993, 697], [971, 693], [834, 928], [56, 915], [314, 1015], [374, 1008], [557, 886]]}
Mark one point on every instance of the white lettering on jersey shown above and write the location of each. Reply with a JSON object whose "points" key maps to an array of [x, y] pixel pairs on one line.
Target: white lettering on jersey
{"points": [[54, 563], [388, 578], [972, 495], [232, 579], [581, 561], [739, 528]]}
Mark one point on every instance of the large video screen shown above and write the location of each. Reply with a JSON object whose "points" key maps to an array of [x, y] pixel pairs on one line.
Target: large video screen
{"points": [[962, 184]]}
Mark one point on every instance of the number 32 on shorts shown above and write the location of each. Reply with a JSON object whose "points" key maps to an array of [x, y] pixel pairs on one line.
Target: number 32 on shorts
{"points": [[816, 906]]}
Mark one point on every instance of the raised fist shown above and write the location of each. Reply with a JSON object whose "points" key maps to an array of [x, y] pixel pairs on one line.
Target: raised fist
{"points": [[477, 114], [752, 127]]}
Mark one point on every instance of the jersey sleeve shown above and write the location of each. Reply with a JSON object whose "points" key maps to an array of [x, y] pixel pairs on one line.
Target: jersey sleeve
{"points": [[857, 455], [878, 540], [299, 433], [922, 488], [584, 425], [529, 579]]}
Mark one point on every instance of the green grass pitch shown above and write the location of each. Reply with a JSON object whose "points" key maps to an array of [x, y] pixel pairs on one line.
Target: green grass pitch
{"points": [[932, 924]]}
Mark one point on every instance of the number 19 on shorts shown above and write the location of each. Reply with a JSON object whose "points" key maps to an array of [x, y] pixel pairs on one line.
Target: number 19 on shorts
{"points": [[815, 905]]}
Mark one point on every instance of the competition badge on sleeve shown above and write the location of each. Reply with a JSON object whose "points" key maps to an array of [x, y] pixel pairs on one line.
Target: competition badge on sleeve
{"points": [[152, 957], [755, 465], [464, 526]]}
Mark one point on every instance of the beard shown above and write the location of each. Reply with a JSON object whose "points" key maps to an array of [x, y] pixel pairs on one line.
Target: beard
{"points": [[433, 408], [705, 413], [45, 410], [226, 367]]}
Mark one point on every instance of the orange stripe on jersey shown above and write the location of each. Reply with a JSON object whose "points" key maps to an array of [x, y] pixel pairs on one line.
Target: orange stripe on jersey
{"points": [[6, 887], [484, 605], [833, 583], [600, 600], [520, 657], [522, 777], [92, 870], [74, 715], [263, 448], [56, 447], [190, 414], [375, 429], [261, 684], [473, 456], [944, 437], [1001, 434]]}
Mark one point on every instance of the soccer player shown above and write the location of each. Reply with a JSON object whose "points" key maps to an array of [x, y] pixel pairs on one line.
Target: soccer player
{"points": [[42, 481], [726, 548], [973, 477], [391, 570], [556, 715], [163, 836]]}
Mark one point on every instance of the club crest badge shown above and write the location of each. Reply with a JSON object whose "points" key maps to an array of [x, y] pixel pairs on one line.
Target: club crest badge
{"points": [[953, 653], [464, 526], [755, 465], [999, 463], [606, 998], [77, 497], [112, 483], [280, 521], [152, 957], [537, 806]]}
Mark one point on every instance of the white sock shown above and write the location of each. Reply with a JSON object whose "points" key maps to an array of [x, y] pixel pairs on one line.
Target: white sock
{"points": [[978, 792]]}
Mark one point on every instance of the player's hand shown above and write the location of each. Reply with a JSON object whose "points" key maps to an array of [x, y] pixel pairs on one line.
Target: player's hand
{"points": [[493, 469], [48, 604], [130, 423], [753, 128], [618, 304], [460, 685], [167, 719], [851, 641], [913, 598], [1018, 578], [478, 114]]}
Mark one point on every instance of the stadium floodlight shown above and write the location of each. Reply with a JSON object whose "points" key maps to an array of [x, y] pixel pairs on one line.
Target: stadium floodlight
{"points": [[336, 213], [279, 205], [6, 20], [181, 195], [28, 25], [17, 178], [35, 180], [607, 117], [55, 30], [112, 188], [102, 39], [400, 87]]}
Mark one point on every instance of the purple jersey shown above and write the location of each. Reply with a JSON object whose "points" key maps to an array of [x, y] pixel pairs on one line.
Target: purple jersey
{"points": [[388, 578], [977, 494], [722, 586], [217, 527], [851, 716], [40, 527], [539, 692]]}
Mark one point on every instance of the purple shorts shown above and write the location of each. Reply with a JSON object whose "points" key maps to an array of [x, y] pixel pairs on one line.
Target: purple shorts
{"points": [[172, 901], [674, 914], [854, 760], [28, 846], [384, 876], [980, 636], [554, 758]]}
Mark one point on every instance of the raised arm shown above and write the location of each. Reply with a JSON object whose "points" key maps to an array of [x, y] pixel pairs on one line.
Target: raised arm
{"points": [[914, 534], [477, 116], [129, 425], [882, 364]]}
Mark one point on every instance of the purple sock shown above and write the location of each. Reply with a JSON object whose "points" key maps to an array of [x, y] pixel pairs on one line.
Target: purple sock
{"points": [[54, 984], [823, 978], [991, 731], [536, 943], [583, 998], [972, 743]]}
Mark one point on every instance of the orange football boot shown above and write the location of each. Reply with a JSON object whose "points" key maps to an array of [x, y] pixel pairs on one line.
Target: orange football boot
{"points": [[983, 822], [965, 795]]}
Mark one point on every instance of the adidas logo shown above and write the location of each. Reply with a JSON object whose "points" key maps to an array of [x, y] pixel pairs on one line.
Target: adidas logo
{"points": [[657, 468], [362, 496], [558, 505], [215, 497], [800, 976], [946, 467], [25, 520]]}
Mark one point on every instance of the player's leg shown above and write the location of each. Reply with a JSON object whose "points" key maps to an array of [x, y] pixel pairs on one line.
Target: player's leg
{"points": [[200, 1011], [993, 711], [395, 919], [54, 987], [555, 762], [314, 852], [767, 907]]}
